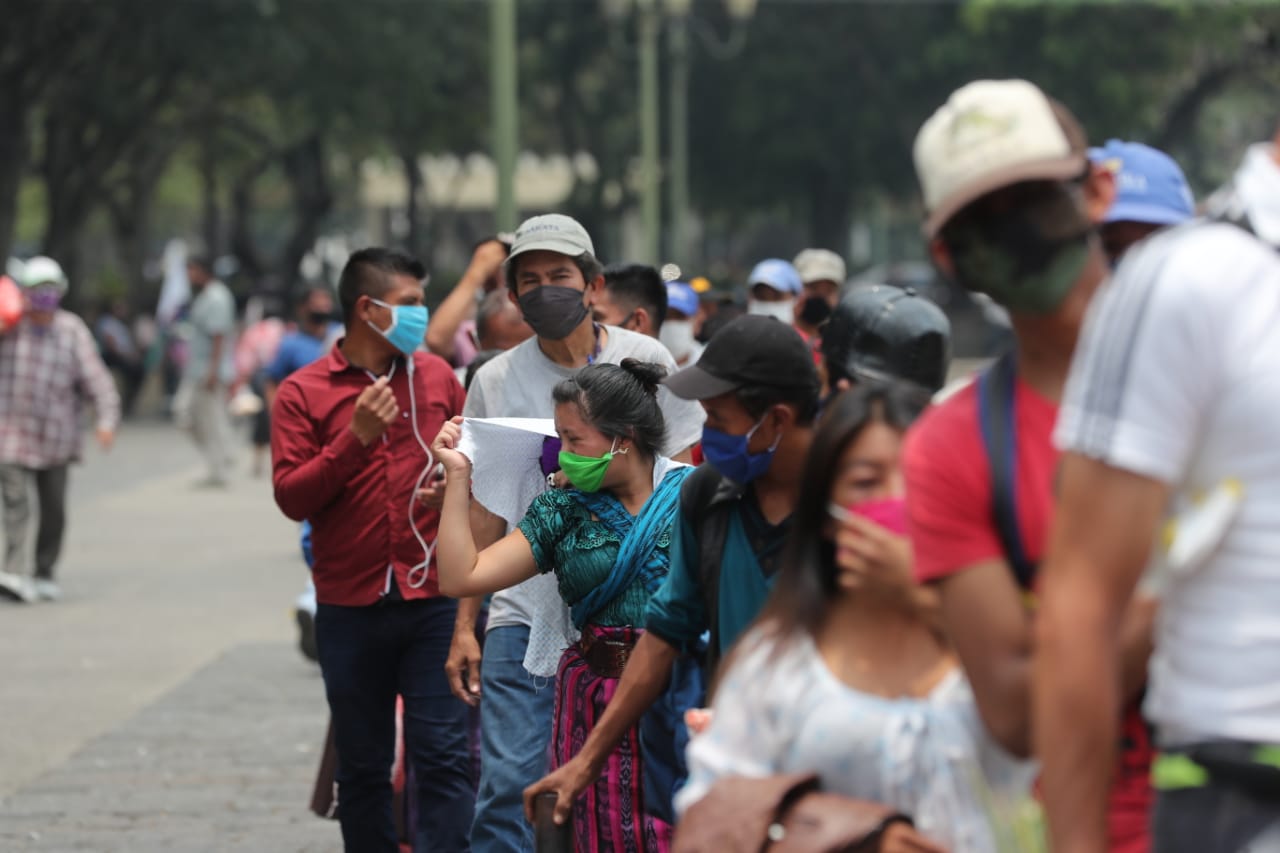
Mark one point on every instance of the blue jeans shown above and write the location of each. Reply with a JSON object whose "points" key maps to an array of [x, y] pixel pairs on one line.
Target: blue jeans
{"points": [[515, 728], [367, 656]]}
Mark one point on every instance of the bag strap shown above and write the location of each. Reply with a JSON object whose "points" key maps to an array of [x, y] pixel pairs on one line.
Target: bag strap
{"points": [[705, 502], [997, 409]]}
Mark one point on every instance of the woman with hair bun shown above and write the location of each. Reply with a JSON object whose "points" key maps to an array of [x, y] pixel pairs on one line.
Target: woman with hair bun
{"points": [[607, 538]]}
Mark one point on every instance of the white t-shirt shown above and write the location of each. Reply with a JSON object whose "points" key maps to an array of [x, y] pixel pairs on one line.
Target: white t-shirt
{"points": [[929, 757], [518, 384], [1177, 378]]}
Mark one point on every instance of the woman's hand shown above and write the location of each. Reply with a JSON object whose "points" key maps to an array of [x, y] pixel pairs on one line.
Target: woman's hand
{"points": [[868, 554], [445, 450]]}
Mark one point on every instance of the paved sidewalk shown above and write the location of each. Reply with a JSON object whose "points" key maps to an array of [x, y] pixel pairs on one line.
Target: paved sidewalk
{"points": [[222, 763]]}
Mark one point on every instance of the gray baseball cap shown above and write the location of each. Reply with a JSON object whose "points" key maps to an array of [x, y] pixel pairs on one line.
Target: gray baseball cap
{"points": [[552, 232]]}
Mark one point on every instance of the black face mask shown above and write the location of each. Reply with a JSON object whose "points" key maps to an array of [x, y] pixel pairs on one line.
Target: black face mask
{"points": [[319, 318], [553, 312], [815, 311]]}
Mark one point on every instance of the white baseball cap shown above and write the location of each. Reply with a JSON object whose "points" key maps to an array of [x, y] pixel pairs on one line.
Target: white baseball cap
{"points": [[42, 270], [990, 134], [819, 265], [551, 232]]}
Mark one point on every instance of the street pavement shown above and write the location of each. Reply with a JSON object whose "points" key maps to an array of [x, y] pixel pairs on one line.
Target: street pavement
{"points": [[162, 705]]}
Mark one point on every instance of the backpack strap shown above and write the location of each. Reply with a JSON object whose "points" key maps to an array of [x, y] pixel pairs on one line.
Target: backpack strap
{"points": [[997, 389], [705, 501]]}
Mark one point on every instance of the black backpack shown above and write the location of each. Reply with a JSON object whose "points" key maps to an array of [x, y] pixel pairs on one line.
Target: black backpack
{"points": [[996, 415]]}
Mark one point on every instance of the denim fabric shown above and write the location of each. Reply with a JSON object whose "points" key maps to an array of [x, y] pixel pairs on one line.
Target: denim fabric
{"points": [[515, 730], [367, 656]]}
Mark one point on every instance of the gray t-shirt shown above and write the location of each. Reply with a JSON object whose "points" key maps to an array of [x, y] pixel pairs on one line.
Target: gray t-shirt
{"points": [[518, 383], [213, 312]]}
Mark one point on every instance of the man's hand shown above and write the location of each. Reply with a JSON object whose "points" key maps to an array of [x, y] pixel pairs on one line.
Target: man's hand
{"points": [[463, 666], [106, 438], [568, 782], [376, 409], [433, 495], [487, 259]]}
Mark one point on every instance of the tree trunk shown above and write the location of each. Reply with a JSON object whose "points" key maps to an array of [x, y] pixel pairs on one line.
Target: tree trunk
{"points": [[305, 168], [830, 213], [210, 215], [13, 162], [413, 240]]}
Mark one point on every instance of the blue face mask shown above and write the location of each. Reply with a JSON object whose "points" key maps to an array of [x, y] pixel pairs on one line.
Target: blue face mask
{"points": [[408, 326], [728, 454]]}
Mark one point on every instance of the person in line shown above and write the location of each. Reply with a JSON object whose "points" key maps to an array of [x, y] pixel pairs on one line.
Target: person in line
{"points": [[317, 330], [1012, 208], [683, 323], [634, 298], [844, 673], [822, 272], [1151, 193], [1169, 439], [606, 540], [120, 351], [773, 289], [201, 402], [453, 334], [553, 275], [349, 454], [48, 364], [878, 333], [759, 388]]}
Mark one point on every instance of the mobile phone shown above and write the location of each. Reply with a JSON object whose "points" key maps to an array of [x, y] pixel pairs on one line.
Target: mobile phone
{"points": [[548, 836]]}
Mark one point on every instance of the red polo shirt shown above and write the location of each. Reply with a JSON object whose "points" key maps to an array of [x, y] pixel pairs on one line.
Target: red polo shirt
{"points": [[357, 497]]}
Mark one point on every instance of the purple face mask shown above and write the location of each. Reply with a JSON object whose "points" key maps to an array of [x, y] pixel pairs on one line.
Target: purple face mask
{"points": [[44, 299]]}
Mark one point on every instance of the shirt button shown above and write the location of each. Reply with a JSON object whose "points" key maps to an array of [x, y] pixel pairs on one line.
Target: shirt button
{"points": [[405, 415]]}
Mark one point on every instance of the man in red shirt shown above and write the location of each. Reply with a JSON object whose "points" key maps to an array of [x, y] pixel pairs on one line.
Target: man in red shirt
{"points": [[1012, 208], [349, 446]]}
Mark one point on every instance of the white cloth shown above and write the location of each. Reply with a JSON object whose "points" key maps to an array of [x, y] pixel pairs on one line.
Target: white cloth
{"points": [[519, 382], [506, 475], [930, 758], [1177, 378], [1253, 194]]}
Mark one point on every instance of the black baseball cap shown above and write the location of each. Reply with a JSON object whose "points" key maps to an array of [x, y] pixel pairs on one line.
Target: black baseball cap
{"points": [[752, 351]]}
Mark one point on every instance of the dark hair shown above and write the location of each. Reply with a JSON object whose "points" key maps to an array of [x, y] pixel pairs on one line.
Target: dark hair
{"points": [[725, 314], [368, 273], [619, 400], [203, 262], [490, 308], [758, 399], [587, 264], [305, 298], [638, 286], [482, 358], [807, 577]]}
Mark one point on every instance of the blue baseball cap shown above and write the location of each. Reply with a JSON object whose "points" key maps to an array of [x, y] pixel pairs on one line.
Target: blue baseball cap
{"points": [[1150, 187], [778, 274], [680, 297]]}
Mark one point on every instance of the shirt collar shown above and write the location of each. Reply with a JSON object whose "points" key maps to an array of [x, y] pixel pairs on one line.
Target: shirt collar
{"points": [[337, 362]]}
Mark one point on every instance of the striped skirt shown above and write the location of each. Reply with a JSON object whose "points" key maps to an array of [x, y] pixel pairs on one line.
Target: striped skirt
{"points": [[609, 816]]}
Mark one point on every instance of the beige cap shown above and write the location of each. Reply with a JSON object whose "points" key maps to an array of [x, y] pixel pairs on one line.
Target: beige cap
{"points": [[820, 265], [990, 134], [551, 232]]}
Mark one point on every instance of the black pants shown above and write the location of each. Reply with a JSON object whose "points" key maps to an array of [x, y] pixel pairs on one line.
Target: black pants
{"points": [[1215, 818], [51, 495]]}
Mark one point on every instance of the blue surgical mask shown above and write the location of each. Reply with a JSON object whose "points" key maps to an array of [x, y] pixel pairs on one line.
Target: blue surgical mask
{"points": [[728, 454], [408, 326]]}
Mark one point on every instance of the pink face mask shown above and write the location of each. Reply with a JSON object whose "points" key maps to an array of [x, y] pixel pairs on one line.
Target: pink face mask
{"points": [[889, 513]]}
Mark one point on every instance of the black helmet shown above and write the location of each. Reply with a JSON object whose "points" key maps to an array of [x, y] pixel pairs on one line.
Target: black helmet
{"points": [[881, 332]]}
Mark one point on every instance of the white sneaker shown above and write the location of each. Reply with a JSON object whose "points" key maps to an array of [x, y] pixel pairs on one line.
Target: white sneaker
{"points": [[46, 590], [16, 588]]}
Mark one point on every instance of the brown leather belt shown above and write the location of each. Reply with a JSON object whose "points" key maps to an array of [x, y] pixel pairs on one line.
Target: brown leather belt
{"points": [[606, 658]]}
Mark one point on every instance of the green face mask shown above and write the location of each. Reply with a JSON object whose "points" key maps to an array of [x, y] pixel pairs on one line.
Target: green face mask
{"points": [[586, 473]]}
